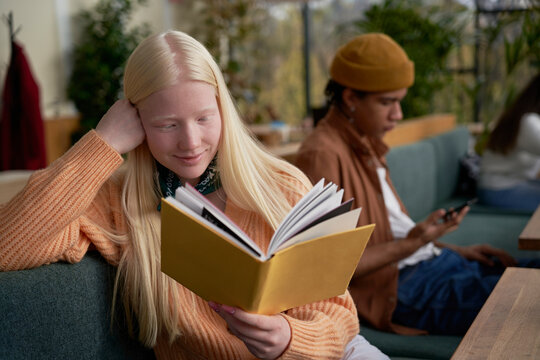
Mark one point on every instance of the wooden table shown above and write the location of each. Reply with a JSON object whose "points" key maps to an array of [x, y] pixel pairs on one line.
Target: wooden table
{"points": [[508, 326], [529, 239]]}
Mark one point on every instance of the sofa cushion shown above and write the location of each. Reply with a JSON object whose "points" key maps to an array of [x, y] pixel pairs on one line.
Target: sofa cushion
{"points": [[500, 230], [448, 149], [413, 173], [62, 311]]}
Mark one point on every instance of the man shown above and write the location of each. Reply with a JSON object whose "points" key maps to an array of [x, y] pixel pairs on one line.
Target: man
{"points": [[406, 282]]}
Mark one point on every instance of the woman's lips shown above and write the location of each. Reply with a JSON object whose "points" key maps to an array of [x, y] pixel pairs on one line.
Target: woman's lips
{"points": [[191, 159]]}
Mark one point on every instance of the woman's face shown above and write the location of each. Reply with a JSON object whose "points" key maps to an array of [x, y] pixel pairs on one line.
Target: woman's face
{"points": [[183, 127]]}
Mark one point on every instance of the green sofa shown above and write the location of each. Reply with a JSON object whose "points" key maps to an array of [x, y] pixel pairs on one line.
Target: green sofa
{"points": [[62, 311], [425, 174]]}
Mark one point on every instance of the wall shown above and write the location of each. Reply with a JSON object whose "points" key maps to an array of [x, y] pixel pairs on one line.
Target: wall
{"points": [[38, 36], [48, 32]]}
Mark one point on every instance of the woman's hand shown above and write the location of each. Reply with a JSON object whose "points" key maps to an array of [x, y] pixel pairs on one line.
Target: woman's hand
{"points": [[436, 226], [121, 127], [266, 336], [484, 253]]}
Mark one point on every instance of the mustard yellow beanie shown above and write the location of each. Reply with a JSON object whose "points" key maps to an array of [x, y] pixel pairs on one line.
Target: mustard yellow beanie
{"points": [[372, 62]]}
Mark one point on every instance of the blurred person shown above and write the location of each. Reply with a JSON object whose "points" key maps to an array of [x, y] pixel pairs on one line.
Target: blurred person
{"points": [[510, 163]]}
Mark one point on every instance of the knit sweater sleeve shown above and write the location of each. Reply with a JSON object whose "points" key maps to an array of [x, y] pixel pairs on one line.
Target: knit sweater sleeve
{"points": [[53, 218], [321, 330]]}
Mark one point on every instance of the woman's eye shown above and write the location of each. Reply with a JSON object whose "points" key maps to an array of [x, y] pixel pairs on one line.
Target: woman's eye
{"points": [[166, 126]]}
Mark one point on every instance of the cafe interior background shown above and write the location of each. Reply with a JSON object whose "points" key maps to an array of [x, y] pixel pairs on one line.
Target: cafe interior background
{"points": [[275, 54]]}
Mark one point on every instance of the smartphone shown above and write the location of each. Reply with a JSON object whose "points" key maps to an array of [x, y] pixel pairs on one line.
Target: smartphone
{"points": [[457, 209]]}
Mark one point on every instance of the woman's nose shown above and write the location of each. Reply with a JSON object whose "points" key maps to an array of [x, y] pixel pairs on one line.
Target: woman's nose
{"points": [[190, 138]]}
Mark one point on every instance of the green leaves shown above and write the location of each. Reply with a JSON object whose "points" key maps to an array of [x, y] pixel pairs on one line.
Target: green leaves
{"points": [[99, 58], [514, 52], [427, 37]]}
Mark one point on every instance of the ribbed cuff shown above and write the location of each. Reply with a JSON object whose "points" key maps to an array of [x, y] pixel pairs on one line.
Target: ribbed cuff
{"points": [[306, 342]]}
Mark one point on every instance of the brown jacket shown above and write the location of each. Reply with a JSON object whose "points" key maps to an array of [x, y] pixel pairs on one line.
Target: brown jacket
{"points": [[336, 151]]}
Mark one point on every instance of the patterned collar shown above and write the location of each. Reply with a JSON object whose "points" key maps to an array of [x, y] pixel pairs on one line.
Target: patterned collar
{"points": [[169, 182]]}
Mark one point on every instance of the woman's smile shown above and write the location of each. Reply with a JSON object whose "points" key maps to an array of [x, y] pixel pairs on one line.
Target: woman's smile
{"points": [[190, 160]]}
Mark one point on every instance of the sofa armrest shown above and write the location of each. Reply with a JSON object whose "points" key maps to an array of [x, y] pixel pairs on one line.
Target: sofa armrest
{"points": [[62, 311]]}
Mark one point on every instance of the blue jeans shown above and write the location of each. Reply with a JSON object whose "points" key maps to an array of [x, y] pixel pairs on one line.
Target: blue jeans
{"points": [[443, 295], [525, 196]]}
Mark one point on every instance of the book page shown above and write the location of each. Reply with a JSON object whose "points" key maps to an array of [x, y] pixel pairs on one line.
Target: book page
{"points": [[216, 226], [301, 204], [318, 207], [341, 209], [198, 203], [300, 216], [343, 222], [321, 203]]}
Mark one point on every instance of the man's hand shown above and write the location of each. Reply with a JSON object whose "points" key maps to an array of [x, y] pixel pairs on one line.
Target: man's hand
{"points": [[265, 336], [436, 225], [121, 127], [484, 253]]}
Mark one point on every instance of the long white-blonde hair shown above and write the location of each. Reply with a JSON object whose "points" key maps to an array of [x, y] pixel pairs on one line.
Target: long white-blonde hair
{"points": [[251, 177]]}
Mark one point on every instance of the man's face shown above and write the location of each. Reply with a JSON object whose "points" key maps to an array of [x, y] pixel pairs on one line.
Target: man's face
{"points": [[377, 113]]}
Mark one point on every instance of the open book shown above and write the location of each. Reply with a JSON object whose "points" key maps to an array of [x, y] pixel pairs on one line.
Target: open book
{"points": [[311, 256]]}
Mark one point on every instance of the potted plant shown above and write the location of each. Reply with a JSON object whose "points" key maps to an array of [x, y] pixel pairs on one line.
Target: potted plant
{"points": [[99, 58], [426, 38]]}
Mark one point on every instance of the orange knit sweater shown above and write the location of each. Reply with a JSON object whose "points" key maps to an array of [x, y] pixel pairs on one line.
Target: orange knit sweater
{"points": [[52, 219]]}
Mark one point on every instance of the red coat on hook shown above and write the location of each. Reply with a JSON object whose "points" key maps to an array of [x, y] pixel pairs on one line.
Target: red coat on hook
{"points": [[22, 140]]}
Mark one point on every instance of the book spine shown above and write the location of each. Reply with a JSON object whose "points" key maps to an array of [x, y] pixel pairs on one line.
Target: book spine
{"points": [[260, 289]]}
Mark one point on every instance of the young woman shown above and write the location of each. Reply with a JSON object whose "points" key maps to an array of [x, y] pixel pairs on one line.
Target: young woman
{"points": [[510, 166], [177, 124]]}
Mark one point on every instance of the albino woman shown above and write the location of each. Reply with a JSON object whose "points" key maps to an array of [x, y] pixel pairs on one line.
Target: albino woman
{"points": [[177, 124]]}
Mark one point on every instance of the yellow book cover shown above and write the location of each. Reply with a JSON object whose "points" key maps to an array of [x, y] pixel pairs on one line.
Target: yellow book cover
{"points": [[304, 268]]}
